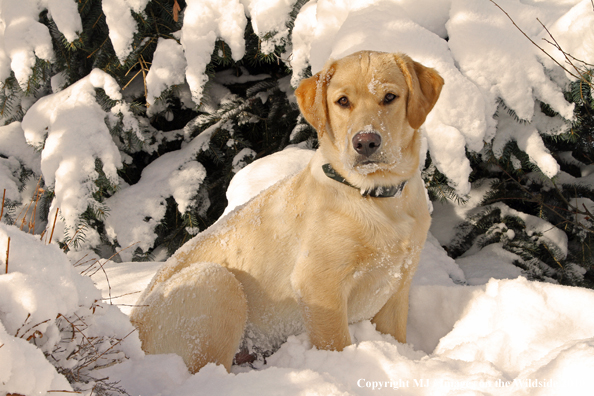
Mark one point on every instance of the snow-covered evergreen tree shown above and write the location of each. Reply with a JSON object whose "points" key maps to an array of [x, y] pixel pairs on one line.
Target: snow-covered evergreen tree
{"points": [[125, 120]]}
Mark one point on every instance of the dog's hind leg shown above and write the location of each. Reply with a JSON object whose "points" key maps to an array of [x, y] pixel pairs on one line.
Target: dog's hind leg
{"points": [[199, 314]]}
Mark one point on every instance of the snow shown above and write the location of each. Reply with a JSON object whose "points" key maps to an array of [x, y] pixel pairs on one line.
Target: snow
{"points": [[514, 72], [41, 285], [122, 25], [24, 38], [65, 15], [474, 45], [485, 59], [481, 55], [528, 140], [25, 370], [239, 161], [499, 337], [303, 35], [204, 22], [476, 326], [536, 225], [573, 31], [269, 17], [71, 128], [14, 153], [264, 173], [167, 69], [490, 262], [136, 210]]}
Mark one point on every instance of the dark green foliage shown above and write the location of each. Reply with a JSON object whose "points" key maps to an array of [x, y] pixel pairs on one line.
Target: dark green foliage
{"points": [[257, 115], [246, 120], [519, 184], [438, 185]]}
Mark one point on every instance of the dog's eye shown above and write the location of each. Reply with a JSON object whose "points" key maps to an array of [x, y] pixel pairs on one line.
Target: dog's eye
{"points": [[343, 101], [389, 98]]}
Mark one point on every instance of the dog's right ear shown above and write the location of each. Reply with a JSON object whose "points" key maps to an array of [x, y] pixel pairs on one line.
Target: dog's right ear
{"points": [[311, 97]]}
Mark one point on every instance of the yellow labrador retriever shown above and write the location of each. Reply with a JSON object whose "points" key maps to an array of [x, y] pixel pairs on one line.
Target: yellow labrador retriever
{"points": [[337, 243]]}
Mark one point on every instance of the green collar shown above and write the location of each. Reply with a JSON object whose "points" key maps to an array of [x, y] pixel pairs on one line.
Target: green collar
{"points": [[377, 192]]}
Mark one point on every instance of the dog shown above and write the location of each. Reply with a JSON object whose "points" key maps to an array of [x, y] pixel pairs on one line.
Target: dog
{"points": [[334, 244]]}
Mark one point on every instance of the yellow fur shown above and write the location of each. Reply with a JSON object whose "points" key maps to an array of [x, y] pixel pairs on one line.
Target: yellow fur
{"points": [[309, 253]]}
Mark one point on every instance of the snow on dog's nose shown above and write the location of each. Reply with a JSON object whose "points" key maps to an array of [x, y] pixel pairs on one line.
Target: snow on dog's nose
{"points": [[366, 143]]}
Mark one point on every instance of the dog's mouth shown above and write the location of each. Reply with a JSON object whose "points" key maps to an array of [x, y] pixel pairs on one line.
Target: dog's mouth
{"points": [[367, 166]]}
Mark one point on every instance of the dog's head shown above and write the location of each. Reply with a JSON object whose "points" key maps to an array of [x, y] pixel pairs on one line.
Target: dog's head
{"points": [[367, 109]]}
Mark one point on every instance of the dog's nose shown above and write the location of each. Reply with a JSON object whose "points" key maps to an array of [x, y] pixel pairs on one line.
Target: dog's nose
{"points": [[366, 143]]}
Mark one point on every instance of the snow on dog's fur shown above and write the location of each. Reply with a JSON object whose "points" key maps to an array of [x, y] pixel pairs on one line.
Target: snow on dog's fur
{"points": [[313, 252]]}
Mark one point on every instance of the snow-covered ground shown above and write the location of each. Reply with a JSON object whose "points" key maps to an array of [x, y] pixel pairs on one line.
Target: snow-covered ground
{"points": [[476, 326], [498, 337]]}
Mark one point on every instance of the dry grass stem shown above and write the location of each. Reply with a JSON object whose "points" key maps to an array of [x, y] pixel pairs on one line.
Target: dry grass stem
{"points": [[177, 9], [78, 262], [7, 254], [33, 219], [2, 209], [54, 226], [23, 325], [33, 198]]}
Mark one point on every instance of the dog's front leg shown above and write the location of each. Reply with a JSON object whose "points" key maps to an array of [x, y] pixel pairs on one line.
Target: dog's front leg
{"points": [[323, 307], [392, 318]]}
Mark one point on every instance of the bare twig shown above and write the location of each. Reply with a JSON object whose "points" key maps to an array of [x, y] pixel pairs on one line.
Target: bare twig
{"points": [[85, 272], [552, 255], [107, 350], [568, 58], [75, 328], [538, 200], [536, 45], [131, 305], [144, 69], [101, 267], [121, 295]]}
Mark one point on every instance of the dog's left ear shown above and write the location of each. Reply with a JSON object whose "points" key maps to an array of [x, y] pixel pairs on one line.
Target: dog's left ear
{"points": [[311, 97], [424, 87]]}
